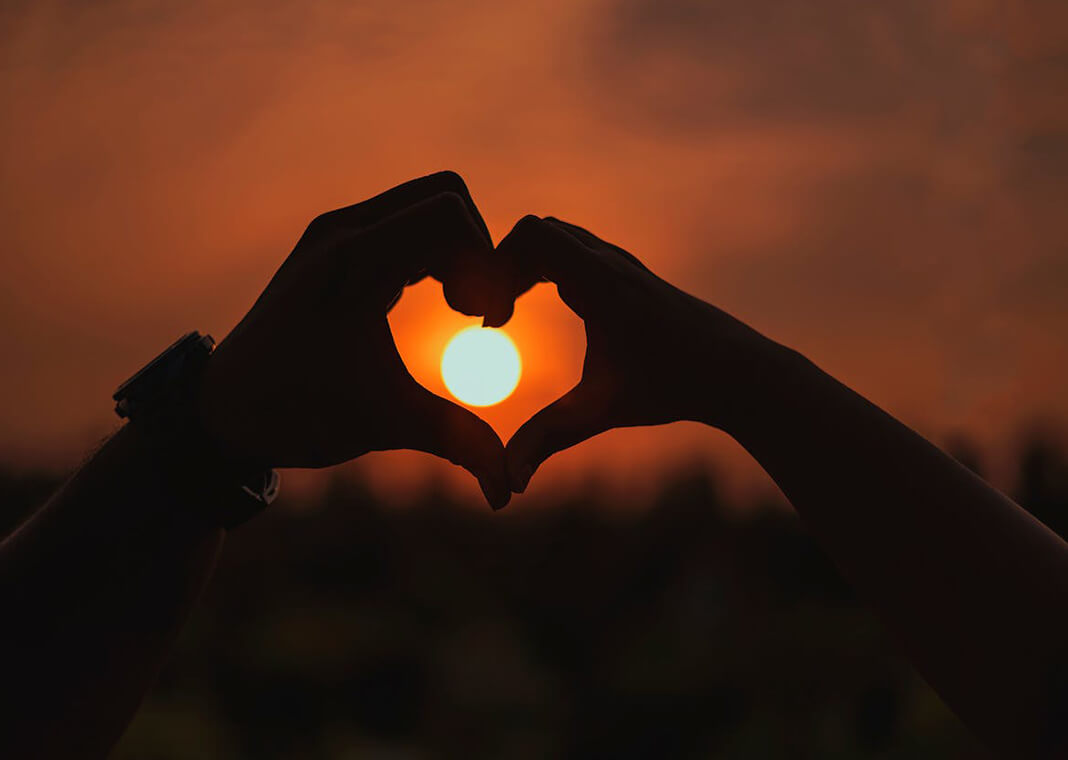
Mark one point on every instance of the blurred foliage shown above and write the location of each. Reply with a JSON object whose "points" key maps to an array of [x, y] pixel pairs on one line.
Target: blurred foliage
{"points": [[687, 628]]}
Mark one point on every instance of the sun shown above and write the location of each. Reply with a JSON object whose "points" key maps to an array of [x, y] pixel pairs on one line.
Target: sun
{"points": [[481, 366]]}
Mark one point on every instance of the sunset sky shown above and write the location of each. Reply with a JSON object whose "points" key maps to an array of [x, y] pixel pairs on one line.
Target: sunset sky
{"points": [[882, 186]]}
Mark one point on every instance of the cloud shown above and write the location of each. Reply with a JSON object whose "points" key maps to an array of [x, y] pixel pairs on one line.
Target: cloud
{"points": [[899, 170], [700, 63], [880, 184]]}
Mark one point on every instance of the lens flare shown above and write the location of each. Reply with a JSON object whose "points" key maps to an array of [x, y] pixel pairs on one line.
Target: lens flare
{"points": [[481, 366]]}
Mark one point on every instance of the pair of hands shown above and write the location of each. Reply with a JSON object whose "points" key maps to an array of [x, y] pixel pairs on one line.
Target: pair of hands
{"points": [[311, 376]]}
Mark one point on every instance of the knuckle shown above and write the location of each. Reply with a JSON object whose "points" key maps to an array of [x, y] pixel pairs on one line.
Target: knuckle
{"points": [[448, 212], [322, 223], [528, 227], [450, 180], [450, 202], [528, 222]]}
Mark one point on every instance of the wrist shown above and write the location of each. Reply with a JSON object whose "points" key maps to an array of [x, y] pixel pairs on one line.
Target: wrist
{"points": [[751, 380], [232, 411], [217, 419], [162, 402], [186, 467]]}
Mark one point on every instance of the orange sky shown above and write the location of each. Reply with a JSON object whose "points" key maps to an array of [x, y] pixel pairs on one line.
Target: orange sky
{"points": [[880, 185]]}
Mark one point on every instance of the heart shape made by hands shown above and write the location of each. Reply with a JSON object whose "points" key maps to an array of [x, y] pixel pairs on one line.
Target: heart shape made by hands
{"points": [[550, 338], [312, 375]]}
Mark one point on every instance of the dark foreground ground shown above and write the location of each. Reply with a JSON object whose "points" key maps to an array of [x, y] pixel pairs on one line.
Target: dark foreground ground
{"points": [[569, 629]]}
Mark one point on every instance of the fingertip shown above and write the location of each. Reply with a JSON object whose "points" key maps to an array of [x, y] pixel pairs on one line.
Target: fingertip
{"points": [[462, 298], [528, 220], [490, 467], [520, 478], [498, 316], [454, 182], [450, 179], [525, 226], [496, 491]]}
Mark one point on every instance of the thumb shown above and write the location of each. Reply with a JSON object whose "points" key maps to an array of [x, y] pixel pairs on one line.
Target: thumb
{"points": [[569, 420], [449, 431]]}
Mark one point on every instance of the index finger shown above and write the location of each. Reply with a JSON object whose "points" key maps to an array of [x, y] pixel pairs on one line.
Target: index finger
{"points": [[439, 236], [538, 249], [595, 242], [427, 234], [377, 209]]}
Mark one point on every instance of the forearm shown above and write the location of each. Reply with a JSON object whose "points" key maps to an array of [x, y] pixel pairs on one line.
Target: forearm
{"points": [[93, 590], [972, 584]]}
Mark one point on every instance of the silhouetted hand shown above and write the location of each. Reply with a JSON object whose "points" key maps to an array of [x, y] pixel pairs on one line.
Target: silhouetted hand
{"points": [[311, 376], [653, 353]]}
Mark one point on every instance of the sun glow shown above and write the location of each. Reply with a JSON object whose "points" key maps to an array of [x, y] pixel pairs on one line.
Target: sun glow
{"points": [[481, 366]]}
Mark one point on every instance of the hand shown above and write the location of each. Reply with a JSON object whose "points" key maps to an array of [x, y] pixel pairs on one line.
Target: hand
{"points": [[311, 376], [653, 353]]}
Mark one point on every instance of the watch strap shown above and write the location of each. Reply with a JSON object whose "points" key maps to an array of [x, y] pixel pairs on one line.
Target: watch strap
{"points": [[161, 402]]}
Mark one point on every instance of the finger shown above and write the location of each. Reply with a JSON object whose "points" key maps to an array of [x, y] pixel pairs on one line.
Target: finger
{"points": [[394, 200], [569, 420], [436, 236], [440, 427], [538, 249], [595, 242]]}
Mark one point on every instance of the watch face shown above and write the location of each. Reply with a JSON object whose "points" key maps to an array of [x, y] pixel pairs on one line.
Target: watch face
{"points": [[186, 339], [155, 376]]}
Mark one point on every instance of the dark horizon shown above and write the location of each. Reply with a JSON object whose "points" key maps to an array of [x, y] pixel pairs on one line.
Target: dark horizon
{"points": [[704, 623]]}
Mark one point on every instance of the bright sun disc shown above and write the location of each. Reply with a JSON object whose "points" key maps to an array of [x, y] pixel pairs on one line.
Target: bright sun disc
{"points": [[480, 366]]}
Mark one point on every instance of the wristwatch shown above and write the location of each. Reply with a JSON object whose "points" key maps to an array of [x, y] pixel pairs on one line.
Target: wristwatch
{"points": [[160, 400]]}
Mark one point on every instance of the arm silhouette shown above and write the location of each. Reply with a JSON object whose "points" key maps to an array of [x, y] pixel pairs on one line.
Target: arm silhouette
{"points": [[973, 586], [95, 586]]}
